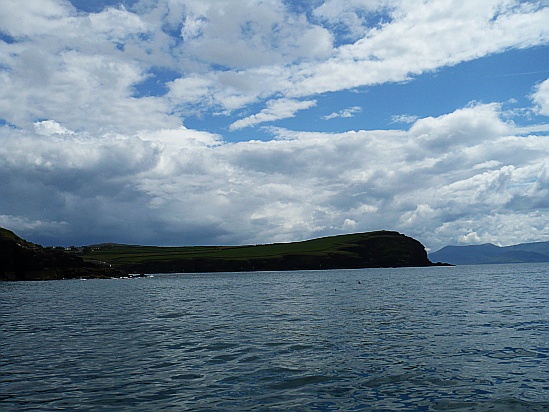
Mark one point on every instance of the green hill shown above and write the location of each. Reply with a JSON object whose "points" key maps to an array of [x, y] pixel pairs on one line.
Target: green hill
{"points": [[359, 250], [22, 260]]}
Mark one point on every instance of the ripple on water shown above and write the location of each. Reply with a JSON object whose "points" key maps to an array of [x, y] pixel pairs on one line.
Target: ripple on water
{"points": [[470, 338]]}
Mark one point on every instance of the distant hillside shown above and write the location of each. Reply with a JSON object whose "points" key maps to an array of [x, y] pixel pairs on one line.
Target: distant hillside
{"points": [[22, 260], [489, 253], [359, 250]]}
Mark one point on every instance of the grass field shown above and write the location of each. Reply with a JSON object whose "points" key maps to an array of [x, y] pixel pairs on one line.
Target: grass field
{"points": [[124, 254]]}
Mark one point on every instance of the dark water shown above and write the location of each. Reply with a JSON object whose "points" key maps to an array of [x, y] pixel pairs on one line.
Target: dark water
{"points": [[458, 338]]}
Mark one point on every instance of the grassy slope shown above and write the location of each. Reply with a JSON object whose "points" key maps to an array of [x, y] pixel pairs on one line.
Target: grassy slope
{"points": [[334, 245], [120, 254], [8, 234]]}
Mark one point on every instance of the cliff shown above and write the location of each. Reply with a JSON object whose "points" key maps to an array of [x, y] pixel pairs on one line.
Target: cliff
{"points": [[22, 260]]}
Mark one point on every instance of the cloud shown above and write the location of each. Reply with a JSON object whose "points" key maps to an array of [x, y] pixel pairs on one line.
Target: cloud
{"points": [[186, 187], [404, 118], [21, 224], [352, 16], [226, 56], [349, 112], [251, 34], [51, 127], [470, 238], [38, 17], [54, 71], [541, 98], [276, 110], [461, 128], [86, 158], [422, 37]]}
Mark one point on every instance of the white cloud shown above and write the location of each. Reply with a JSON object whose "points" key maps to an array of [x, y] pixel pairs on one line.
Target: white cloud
{"points": [[250, 34], [184, 186], [68, 69], [345, 113], [117, 24], [422, 37], [470, 238], [464, 127], [191, 90], [541, 98], [181, 138], [404, 118], [81, 69], [349, 225], [37, 17], [352, 15], [490, 164], [492, 228], [51, 127], [276, 110], [20, 223]]}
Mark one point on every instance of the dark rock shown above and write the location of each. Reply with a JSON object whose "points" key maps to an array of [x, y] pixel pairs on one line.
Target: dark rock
{"points": [[22, 260]]}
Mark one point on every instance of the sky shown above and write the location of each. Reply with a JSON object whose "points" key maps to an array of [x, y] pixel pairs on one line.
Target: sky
{"points": [[229, 122]]}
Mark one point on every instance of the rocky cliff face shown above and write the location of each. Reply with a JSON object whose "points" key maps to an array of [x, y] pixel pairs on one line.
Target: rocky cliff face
{"points": [[22, 260], [387, 248]]}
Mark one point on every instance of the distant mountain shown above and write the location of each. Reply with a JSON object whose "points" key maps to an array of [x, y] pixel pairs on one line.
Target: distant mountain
{"points": [[489, 253]]}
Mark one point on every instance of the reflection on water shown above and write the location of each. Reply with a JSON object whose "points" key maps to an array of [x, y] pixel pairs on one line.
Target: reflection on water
{"points": [[455, 338]]}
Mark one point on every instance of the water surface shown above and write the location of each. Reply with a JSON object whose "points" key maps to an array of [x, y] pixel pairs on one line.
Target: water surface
{"points": [[438, 338]]}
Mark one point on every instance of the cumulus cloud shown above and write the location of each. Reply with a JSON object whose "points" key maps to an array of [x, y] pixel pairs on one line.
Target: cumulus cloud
{"points": [[184, 187], [464, 127], [21, 224], [275, 110]]}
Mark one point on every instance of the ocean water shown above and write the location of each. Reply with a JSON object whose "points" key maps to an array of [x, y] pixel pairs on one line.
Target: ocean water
{"points": [[468, 338]]}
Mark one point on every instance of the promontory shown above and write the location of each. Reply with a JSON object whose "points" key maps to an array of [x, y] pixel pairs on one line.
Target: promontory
{"points": [[22, 260]]}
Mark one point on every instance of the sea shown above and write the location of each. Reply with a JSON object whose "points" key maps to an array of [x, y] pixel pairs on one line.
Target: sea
{"points": [[463, 338]]}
